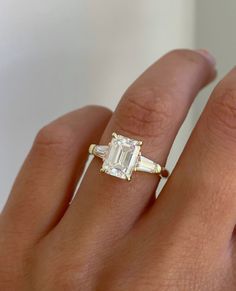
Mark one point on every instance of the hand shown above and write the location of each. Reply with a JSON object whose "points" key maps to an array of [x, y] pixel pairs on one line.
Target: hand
{"points": [[114, 235]]}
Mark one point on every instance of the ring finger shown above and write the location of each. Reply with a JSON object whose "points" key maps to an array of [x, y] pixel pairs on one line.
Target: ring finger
{"points": [[151, 110]]}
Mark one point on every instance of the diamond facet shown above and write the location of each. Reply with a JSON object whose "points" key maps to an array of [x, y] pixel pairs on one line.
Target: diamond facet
{"points": [[122, 157]]}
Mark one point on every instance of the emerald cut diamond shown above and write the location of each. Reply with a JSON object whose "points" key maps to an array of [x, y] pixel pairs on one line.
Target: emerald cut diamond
{"points": [[122, 157]]}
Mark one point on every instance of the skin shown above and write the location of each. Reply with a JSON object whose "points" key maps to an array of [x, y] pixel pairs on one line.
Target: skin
{"points": [[114, 235]]}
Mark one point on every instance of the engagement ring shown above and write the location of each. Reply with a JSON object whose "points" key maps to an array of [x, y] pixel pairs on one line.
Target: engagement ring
{"points": [[122, 156]]}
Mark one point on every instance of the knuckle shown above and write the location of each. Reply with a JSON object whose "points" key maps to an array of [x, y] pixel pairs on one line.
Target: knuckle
{"points": [[69, 277], [222, 112], [56, 138], [145, 112]]}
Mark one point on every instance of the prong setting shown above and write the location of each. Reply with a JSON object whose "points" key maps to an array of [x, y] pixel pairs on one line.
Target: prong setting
{"points": [[122, 156], [114, 135], [91, 149]]}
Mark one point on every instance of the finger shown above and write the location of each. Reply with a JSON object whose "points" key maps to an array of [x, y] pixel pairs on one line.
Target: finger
{"points": [[152, 110], [202, 190], [47, 180]]}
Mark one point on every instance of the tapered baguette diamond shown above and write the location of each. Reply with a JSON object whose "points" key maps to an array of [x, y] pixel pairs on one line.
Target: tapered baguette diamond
{"points": [[122, 157], [147, 165], [100, 151]]}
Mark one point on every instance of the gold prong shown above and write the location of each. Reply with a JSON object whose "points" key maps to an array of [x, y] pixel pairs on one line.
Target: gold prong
{"points": [[114, 135], [128, 178], [91, 149], [102, 170], [140, 143], [158, 169]]}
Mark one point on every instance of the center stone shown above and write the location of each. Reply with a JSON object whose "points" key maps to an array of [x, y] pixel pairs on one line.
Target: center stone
{"points": [[121, 157]]}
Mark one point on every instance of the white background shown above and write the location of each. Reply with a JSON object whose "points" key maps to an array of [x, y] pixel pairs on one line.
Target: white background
{"points": [[58, 55]]}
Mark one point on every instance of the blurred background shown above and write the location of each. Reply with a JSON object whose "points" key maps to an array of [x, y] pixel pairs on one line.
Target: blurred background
{"points": [[58, 55]]}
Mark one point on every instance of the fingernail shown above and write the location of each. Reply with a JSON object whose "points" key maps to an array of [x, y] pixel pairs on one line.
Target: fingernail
{"points": [[206, 54]]}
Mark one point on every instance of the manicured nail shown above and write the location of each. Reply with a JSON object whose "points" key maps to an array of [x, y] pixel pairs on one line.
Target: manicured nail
{"points": [[205, 53]]}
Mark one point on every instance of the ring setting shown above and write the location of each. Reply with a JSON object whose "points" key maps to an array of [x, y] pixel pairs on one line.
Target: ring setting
{"points": [[122, 156]]}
